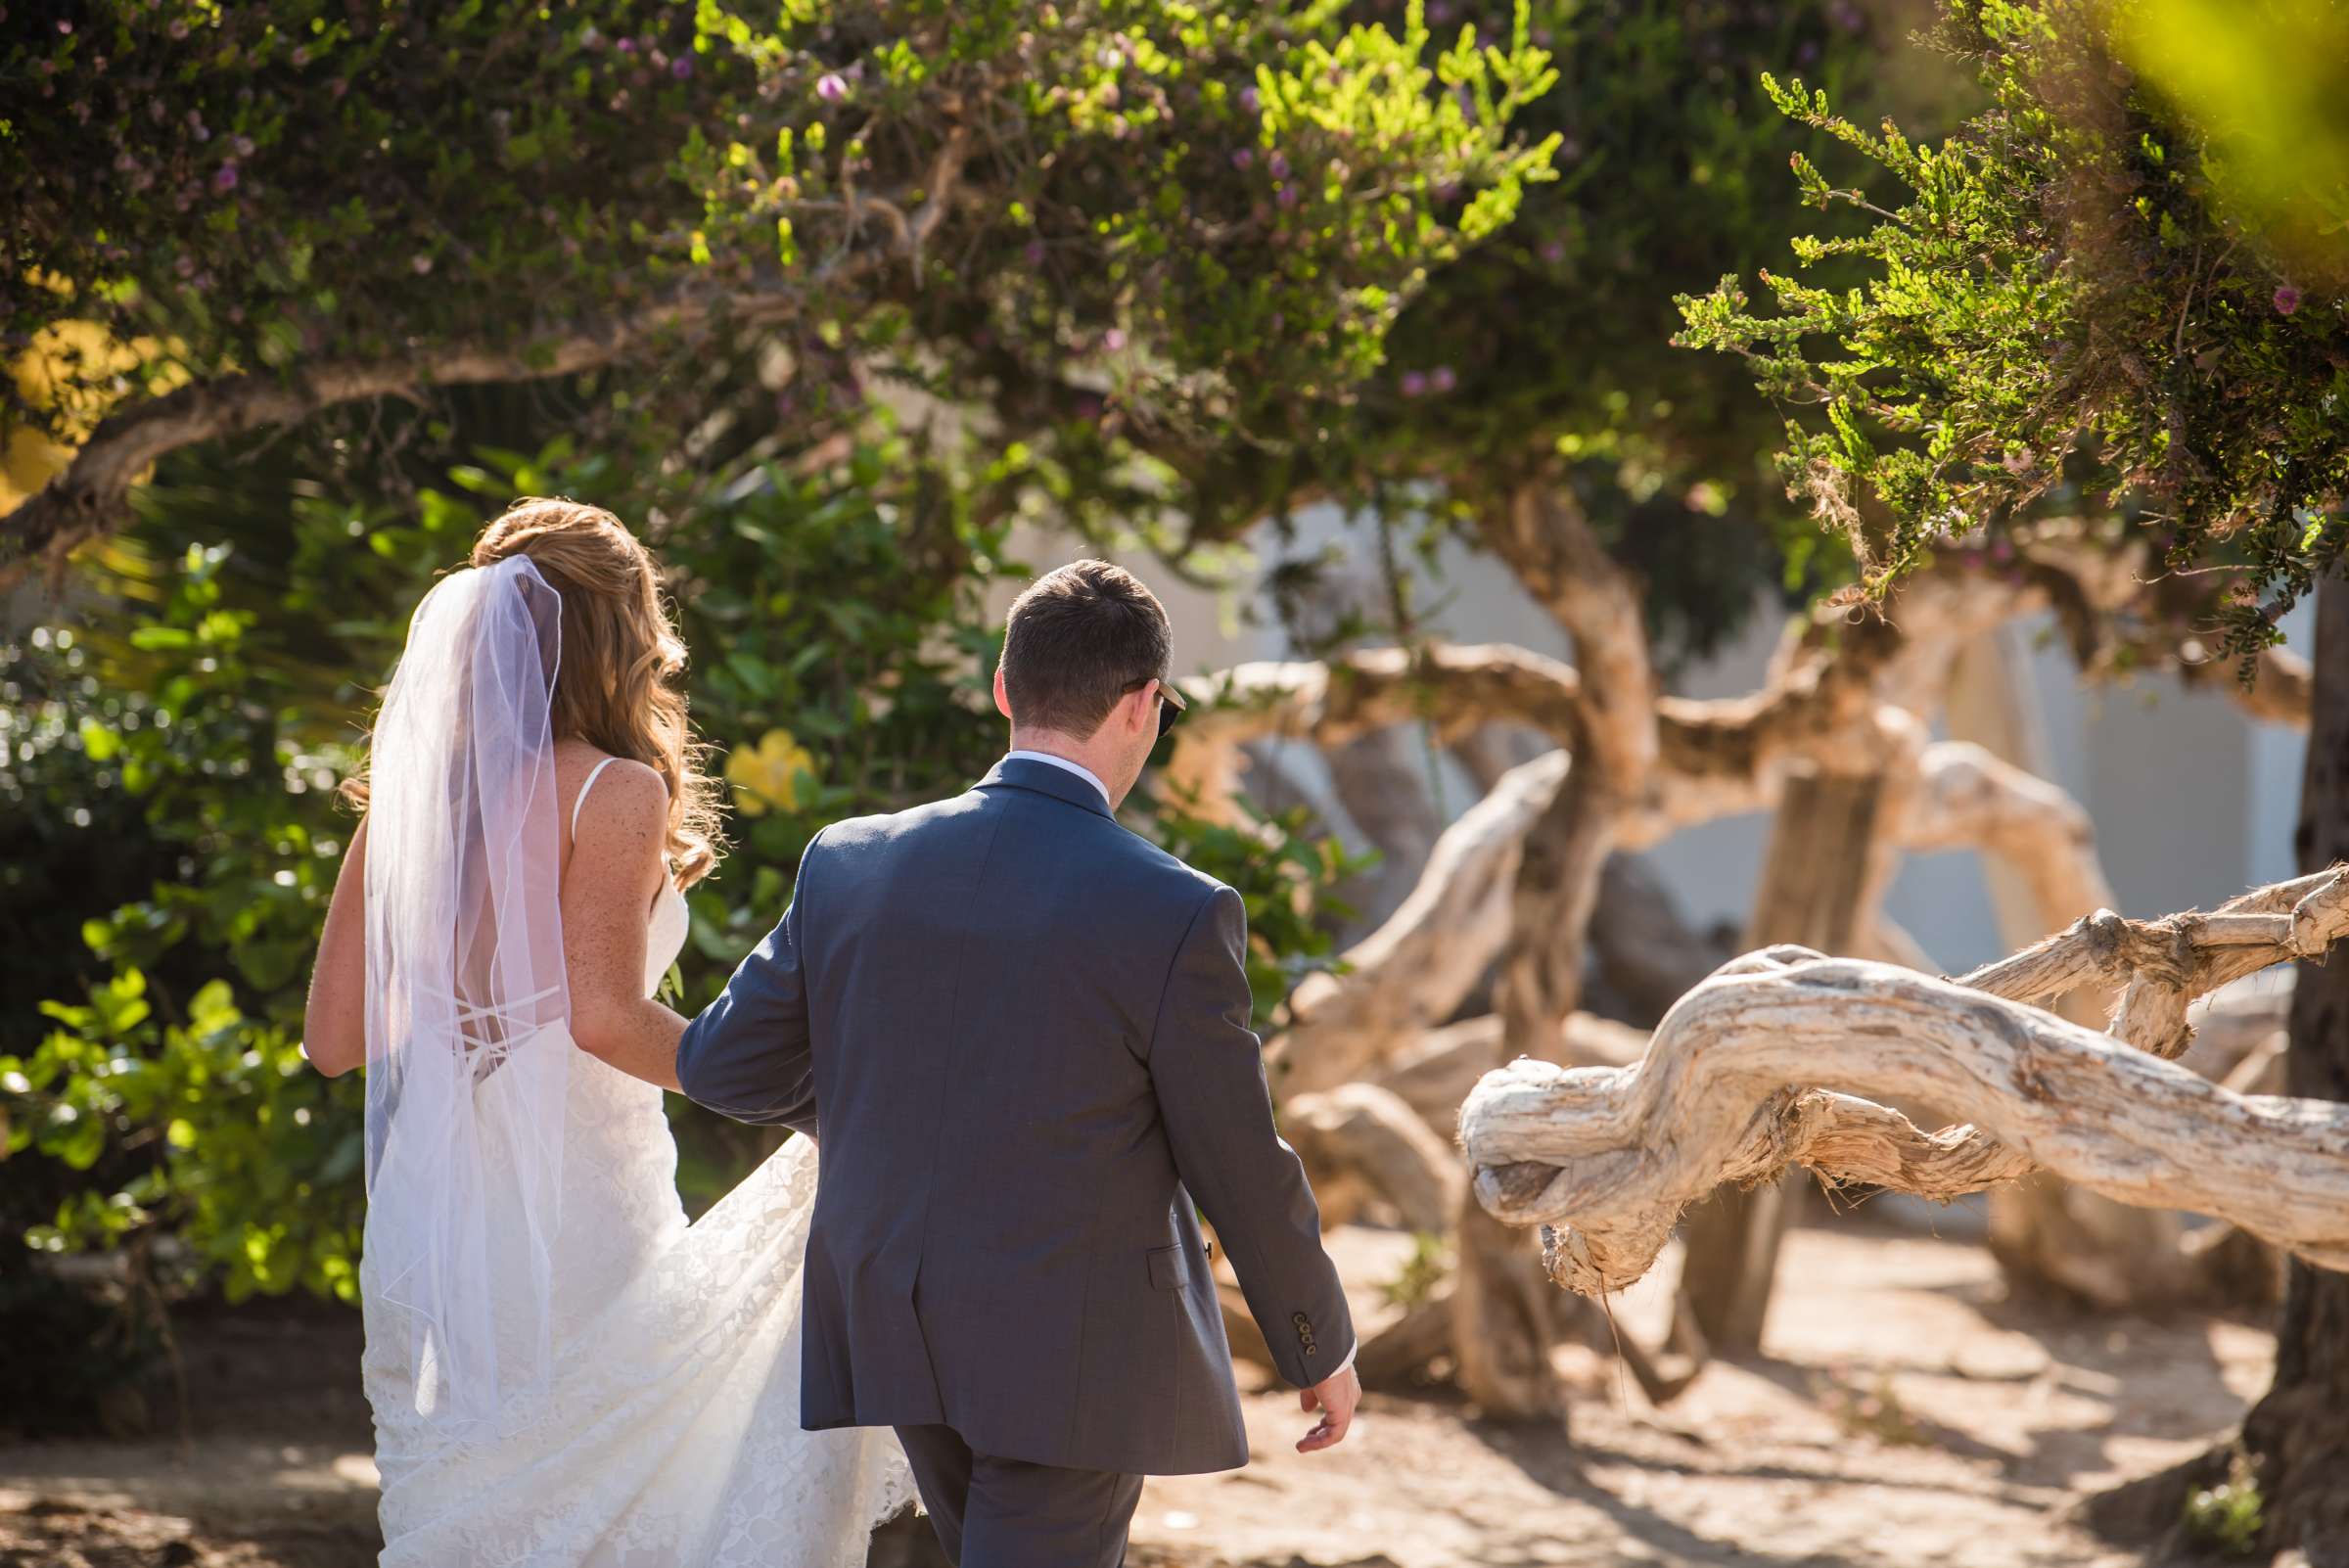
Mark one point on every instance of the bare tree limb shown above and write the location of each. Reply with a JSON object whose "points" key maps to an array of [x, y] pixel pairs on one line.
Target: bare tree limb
{"points": [[1736, 1085], [89, 499], [1411, 973]]}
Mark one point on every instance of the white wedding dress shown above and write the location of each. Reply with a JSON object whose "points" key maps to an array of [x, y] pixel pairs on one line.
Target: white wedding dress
{"points": [[665, 1432]]}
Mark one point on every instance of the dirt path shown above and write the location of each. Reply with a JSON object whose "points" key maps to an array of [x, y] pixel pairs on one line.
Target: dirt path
{"points": [[1902, 1416]]}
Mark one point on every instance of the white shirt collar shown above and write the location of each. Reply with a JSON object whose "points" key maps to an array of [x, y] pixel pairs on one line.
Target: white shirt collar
{"points": [[1079, 768]]}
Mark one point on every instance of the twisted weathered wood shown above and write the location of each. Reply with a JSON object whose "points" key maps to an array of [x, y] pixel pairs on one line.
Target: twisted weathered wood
{"points": [[1733, 1088], [2184, 955], [1411, 973], [1359, 1138]]}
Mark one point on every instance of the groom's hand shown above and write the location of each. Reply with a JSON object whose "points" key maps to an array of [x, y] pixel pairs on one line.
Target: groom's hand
{"points": [[1335, 1397]]}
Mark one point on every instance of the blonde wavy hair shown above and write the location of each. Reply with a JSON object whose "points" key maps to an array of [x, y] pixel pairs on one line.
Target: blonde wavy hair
{"points": [[616, 686]]}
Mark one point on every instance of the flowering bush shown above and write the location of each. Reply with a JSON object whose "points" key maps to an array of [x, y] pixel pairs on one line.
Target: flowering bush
{"points": [[297, 205], [174, 758]]}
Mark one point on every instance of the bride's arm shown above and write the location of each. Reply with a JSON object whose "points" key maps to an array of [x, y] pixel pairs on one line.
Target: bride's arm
{"points": [[333, 1023], [616, 869]]}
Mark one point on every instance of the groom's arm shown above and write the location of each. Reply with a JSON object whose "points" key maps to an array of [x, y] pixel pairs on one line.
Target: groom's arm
{"points": [[1208, 1069], [747, 1055]]}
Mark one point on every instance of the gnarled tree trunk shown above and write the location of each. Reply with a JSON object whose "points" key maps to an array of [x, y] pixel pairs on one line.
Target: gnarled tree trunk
{"points": [[1824, 860], [2298, 1434]]}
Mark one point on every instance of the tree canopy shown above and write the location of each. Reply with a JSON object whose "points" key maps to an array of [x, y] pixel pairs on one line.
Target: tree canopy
{"points": [[2098, 286], [267, 210]]}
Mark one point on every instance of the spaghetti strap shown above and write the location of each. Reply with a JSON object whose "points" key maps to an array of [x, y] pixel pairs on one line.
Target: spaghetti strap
{"points": [[582, 798]]}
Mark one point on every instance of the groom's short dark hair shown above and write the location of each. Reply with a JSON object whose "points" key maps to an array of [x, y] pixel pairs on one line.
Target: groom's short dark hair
{"points": [[1079, 639]]}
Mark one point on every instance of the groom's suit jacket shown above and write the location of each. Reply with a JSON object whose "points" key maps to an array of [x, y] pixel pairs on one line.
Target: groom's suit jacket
{"points": [[1020, 1033]]}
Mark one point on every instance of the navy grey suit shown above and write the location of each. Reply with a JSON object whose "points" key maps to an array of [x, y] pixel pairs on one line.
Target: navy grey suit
{"points": [[1020, 1034]]}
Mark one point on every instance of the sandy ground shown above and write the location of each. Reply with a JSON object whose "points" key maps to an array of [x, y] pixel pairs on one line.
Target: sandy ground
{"points": [[1902, 1414]]}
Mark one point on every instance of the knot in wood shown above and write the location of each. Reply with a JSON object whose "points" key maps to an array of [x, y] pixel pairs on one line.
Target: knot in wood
{"points": [[2165, 950], [2109, 940]]}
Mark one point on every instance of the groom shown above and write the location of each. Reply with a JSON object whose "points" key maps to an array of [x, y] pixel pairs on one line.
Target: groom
{"points": [[1020, 1035]]}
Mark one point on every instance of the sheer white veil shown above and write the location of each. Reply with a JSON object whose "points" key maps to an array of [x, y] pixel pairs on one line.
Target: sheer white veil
{"points": [[467, 1009]]}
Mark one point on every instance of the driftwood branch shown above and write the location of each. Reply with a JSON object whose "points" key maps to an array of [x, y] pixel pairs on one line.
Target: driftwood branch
{"points": [[1759, 1069], [1413, 971]]}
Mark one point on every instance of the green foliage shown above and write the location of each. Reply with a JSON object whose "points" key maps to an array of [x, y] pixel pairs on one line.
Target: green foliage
{"points": [[2064, 296], [2227, 1518], [1429, 1265], [1548, 344], [1199, 208], [844, 606]]}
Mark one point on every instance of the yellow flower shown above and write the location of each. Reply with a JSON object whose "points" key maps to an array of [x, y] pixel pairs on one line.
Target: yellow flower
{"points": [[767, 775]]}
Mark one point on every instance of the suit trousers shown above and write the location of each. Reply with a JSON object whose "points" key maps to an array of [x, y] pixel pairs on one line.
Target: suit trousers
{"points": [[1009, 1513]]}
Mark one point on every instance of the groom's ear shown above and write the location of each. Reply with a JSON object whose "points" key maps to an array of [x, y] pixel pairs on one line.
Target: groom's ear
{"points": [[1002, 698]]}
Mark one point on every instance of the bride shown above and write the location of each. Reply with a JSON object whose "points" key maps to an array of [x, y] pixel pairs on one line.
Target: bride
{"points": [[562, 1371]]}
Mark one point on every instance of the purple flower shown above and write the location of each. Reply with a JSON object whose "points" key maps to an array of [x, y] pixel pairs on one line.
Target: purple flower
{"points": [[2287, 299], [680, 67], [1554, 251], [1287, 196], [1033, 252], [1243, 157], [1442, 379], [1279, 166], [1449, 191], [626, 46], [831, 87], [64, 27], [178, 29], [185, 267], [242, 145], [301, 55], [225, 179], [1113, 340], [420, 263], [1414, 384]]}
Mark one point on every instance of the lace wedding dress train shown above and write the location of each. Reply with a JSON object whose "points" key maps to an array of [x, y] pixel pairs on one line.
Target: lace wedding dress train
{"points": [[666, 1434]]}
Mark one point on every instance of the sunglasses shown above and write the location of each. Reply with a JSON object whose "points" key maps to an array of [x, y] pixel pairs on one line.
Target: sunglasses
{"points": [[1170, 705]]}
